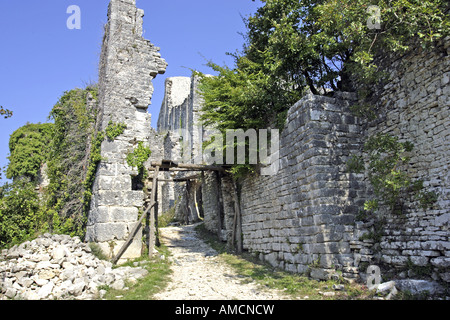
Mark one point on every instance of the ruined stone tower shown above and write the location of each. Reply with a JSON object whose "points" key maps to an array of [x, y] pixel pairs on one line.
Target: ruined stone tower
{"points": [[128, 64]]}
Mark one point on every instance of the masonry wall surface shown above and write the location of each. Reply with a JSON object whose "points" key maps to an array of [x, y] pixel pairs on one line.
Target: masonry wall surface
{"points": [[178, 123], [128, 64], [306, 218], [415, 106], [303, 216]]}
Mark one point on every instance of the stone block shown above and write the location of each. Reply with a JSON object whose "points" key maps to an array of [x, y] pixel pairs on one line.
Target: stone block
{"points": [[320, 274], [119, 182], [109, 231], [124, 214], [416, 287]]}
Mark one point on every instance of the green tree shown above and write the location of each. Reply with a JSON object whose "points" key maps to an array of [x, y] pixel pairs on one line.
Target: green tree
{"points": [[324, 45], [29, 147], [21, 212], [320, 45]]}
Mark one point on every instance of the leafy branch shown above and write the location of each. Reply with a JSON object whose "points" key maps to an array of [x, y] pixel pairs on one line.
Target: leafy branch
{"points": [[5, 112], [386, 166], [138, 157]]}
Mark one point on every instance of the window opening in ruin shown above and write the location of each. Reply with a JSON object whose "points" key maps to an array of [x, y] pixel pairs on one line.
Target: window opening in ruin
{"points": [[137, 183]]}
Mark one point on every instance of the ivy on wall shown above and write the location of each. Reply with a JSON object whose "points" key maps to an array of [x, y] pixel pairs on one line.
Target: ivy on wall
{"points": [[386, 160]]}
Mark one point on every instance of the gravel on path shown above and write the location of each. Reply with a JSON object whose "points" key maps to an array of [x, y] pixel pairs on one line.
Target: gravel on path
{"points": [[200, 274]]}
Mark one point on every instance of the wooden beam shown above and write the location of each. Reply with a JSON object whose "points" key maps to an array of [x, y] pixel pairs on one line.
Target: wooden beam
{"points": [[183, 179], [194, 167]]}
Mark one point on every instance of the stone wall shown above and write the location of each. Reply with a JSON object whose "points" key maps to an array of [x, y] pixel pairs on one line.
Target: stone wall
{"points": [[306, 218], [218, 204], [128, 64], [301, 219], [178, 123], [415, 107]]}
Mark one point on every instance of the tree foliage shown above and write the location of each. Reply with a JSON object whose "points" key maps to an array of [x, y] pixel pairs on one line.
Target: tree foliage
{"points": [[69, 154], [320, 46], [65, 146], [385, 160], [138, 157], [323, 45], [29, 148], [21, 214]]}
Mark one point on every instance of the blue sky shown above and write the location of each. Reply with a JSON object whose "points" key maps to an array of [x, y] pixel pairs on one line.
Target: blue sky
{"points": [[40, 57]]}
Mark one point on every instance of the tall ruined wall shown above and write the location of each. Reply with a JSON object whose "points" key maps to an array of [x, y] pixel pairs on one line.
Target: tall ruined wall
{"points": [[415, 106], [179, 122], [128, 64], [179, 119]]}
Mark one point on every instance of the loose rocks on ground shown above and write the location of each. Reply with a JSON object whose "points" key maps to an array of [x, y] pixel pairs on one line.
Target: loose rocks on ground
{"points": [[58, 267]]}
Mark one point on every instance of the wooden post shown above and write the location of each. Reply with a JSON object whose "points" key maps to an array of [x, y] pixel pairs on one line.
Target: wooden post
{"points": [[190, 166], [237, 224], [152, 229], [188, 207], [220, 213]]}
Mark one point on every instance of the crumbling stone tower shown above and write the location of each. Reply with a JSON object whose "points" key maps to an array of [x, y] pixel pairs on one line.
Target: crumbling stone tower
{"points": [[128, 64]]}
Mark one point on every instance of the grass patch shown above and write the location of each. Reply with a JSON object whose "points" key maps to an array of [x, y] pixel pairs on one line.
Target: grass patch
{"points": [[156, 281], [166, 218], [294, 286]]}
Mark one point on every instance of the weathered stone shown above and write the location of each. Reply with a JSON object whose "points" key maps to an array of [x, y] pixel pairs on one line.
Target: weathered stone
{"points": [[118, 285], [338, 287], [128, 64], [386, 286], [76, 289], [10, 293], [441, 262], [417, 287], [59, 252], [45, 290], [79, 277], [47, 275]]}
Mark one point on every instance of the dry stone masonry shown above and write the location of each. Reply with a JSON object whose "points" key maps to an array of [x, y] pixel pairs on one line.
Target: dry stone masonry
{"points": [[306, 218], [416, 108], [128, 64]]}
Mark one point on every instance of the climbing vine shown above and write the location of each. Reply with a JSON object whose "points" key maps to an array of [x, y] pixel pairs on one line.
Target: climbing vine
{"points": [[138, 157], [74, 124], [29, 149], [386, 160], [113, 130]]}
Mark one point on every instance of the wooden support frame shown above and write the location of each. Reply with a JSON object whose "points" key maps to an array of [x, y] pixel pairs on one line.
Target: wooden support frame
{"points": [[237, 221], [152, 211]]}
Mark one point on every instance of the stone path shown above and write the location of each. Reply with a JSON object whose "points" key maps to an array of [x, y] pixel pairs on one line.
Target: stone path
{"points": [[199, 274]]}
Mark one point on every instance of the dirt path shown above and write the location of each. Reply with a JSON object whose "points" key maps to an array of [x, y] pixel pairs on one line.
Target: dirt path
{"points": [[198, 273]]}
